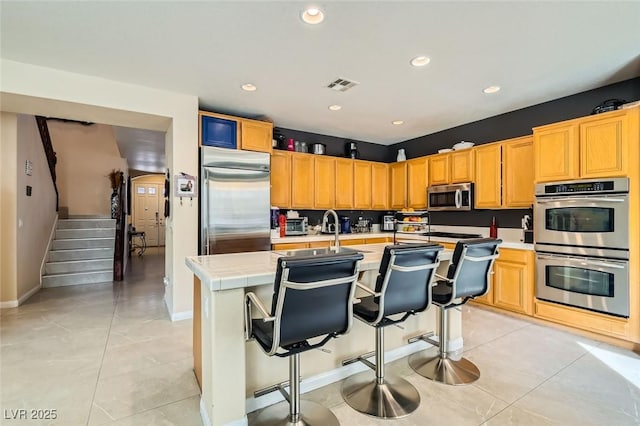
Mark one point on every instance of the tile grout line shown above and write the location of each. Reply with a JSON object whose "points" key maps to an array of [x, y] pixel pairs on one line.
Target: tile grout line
{"points": [[106, 344], [536, 387]]}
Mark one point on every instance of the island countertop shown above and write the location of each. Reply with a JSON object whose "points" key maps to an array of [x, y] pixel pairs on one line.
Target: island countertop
{"points": [[240, 270]]}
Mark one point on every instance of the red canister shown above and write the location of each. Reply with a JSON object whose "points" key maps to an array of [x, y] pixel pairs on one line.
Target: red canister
{"points": [[290, 144], [283, 225]]}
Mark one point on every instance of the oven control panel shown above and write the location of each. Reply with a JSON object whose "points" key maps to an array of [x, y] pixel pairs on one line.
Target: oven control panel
{"points": [[584, 187]]}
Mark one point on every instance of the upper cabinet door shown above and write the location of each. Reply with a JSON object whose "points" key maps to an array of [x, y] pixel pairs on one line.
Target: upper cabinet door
{"points": [[417, 181], [462, 166], [398, 184], [361, 184], [488, 193], [439, 173], [344, 186], [256, 135], [325, 182], [302, 181], [281, 179], [604, 146], [517, 172], [379, 186], [555, 150]]}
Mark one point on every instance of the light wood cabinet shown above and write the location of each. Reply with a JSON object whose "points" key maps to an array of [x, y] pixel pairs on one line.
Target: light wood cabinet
{"points": [[462, 166], [346, 184], [488, 182], [289, 246], [362, 188], [302, 181], [555, 150], [504, 174], [517, 173], [325, 182], [604, 146], [439, 173], [513, 280], [352, 242], [398, 185], [590, 147], [417, 182], [378, 240], [256, 135], [379, 186], [281, 179]]}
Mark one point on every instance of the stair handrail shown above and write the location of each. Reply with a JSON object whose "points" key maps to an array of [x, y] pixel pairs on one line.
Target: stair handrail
{"points": [[52, 159]]}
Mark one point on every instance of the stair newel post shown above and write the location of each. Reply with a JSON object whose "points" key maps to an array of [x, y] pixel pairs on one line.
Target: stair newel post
{"points": [[118, 261]]}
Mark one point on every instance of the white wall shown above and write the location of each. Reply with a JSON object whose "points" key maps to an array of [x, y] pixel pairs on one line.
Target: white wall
{"points": [[38, 90], [86, 156], [36, 214]]}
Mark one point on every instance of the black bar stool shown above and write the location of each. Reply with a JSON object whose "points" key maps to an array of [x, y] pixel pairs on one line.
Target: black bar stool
{"points": [[312, 298], [468, 277], [403, 286]]}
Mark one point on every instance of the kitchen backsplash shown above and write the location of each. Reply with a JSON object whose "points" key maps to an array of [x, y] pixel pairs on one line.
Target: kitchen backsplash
{"points": [[481, 218]]}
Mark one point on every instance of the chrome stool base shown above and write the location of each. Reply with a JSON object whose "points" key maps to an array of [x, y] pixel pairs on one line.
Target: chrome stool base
{"points": [[311, 414], [444, 370], [392, 399]]}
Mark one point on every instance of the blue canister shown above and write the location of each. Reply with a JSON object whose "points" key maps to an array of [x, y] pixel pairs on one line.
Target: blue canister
{"points": [[345, 225]]}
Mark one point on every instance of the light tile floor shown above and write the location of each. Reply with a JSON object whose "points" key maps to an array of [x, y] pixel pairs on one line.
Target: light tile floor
{"points": [[107, 354]]}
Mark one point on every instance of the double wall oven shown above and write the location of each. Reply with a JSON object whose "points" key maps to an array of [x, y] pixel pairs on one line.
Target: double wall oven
{"points": [[582, 244]]}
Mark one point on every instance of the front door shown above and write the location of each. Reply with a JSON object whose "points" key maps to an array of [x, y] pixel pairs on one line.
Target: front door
{"points": [[147, 214]]}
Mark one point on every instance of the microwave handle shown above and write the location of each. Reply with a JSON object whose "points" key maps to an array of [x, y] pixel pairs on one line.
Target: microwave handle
{"points": [[458, 198], [575, 199], [582, 261]]}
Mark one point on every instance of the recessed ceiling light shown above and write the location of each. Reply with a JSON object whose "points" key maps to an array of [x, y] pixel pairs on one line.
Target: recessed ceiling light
{"points": [[491, 89], [397, 122], [248, 87], [420, 61], [335, 107], [313, 16]]}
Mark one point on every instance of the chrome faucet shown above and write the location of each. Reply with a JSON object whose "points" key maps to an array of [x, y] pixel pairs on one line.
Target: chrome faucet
{"points": [[337, 225]]}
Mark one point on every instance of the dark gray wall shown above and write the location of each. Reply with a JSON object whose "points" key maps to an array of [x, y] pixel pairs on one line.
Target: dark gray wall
{"points": [[335, 146], [517, 123]]}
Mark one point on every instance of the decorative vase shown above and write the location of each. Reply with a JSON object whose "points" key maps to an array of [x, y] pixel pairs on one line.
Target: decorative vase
{"points": [[401, 155], [114, 204]]}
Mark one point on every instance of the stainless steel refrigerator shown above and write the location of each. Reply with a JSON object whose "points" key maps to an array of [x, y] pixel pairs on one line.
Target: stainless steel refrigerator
{"points": [[235, 201]]}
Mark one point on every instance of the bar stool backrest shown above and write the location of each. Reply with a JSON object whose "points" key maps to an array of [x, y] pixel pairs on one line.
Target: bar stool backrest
{"points": [[405, 276], [471, 265], [313, 296]]}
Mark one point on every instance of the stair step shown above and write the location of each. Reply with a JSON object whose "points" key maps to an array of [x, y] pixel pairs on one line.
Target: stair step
{"points": [[86, 223], [72, 266], [81, 254], [78, 278], [77, 243], [70, 233]]}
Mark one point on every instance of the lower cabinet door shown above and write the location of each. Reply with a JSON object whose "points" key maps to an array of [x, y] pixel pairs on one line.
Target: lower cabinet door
{"points": [[513, 281]]}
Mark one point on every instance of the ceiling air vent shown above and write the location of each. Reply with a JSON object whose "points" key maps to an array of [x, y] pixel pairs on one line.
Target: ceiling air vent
{"points": [[342, 84]]}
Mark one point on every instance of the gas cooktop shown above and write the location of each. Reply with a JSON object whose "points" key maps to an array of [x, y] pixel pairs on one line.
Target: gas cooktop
{"points": [[451, 235]]}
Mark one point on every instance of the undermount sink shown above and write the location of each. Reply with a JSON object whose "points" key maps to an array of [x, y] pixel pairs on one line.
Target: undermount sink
{"points": [[320, 251]]}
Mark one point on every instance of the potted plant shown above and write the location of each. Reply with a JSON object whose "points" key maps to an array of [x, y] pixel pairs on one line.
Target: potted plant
{"points": [[115, 178]]}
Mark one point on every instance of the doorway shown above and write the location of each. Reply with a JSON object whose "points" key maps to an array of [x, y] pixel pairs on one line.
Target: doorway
{"points": [[148, 208]]}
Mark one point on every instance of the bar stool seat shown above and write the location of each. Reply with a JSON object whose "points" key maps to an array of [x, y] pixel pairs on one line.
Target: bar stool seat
{"points": [[312, 303], [468, 277], [403, 287]]}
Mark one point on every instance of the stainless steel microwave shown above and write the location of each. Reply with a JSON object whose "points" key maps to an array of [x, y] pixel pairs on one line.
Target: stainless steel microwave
{"points": [[457, 197]]}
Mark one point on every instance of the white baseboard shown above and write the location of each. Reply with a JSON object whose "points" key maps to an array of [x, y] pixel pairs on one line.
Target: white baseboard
{"points": [[46, 252], [207, 422], [179, 316], [29, 293], [9, 304], [22, 299], [340, 373]]}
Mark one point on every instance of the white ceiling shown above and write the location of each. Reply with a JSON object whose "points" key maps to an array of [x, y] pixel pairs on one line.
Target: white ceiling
{"points": [[143, 149], [536, 51]]}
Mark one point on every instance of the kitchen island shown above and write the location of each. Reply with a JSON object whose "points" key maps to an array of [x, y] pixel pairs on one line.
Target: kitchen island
{"points": [[229, 369]]}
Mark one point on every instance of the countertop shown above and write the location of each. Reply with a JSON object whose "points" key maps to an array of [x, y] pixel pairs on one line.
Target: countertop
{"points": [[510, 236], [238, 270]]}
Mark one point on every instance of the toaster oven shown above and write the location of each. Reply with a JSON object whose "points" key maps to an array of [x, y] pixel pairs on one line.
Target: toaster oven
{"points": [[296, 226]]}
